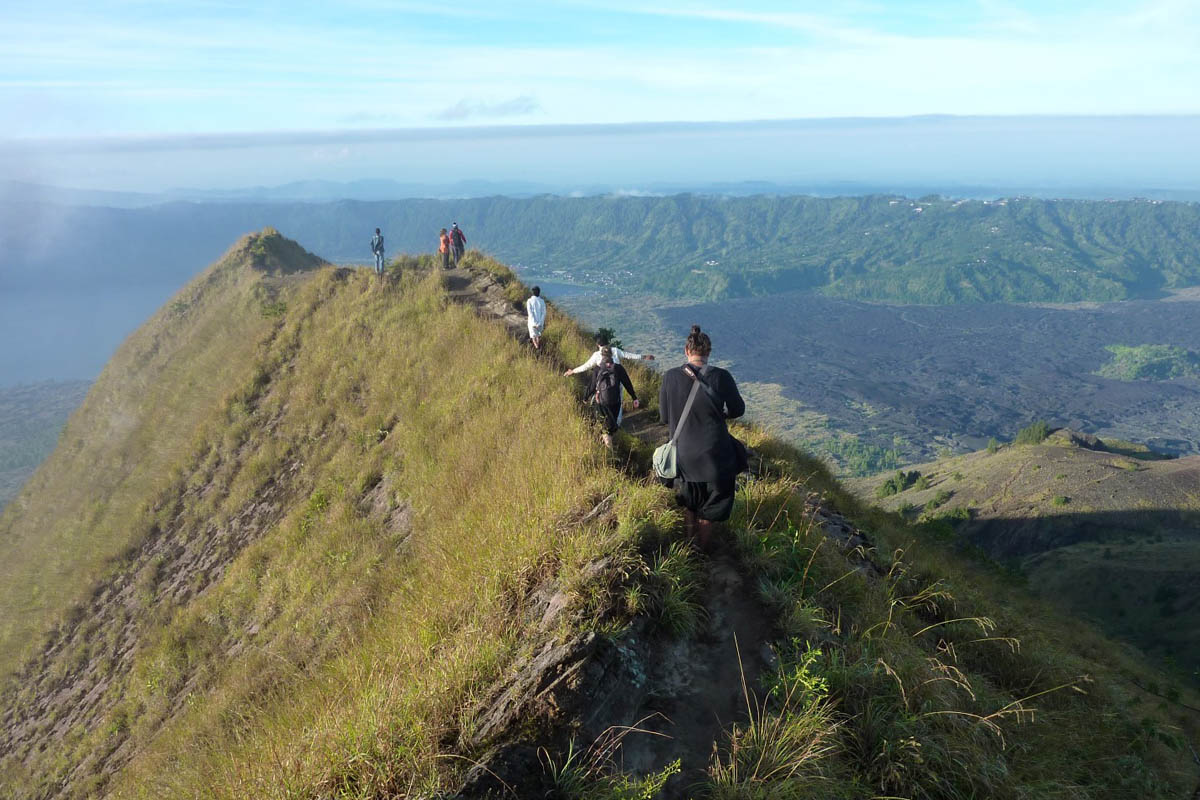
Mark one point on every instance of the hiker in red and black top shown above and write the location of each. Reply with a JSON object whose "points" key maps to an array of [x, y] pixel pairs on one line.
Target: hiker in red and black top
{"points": [[608, 378], [444, 247], [459, 240]]}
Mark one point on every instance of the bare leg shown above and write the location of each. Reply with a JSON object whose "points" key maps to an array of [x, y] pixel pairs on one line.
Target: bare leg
{"points": [[704, 535], [689, 523]]}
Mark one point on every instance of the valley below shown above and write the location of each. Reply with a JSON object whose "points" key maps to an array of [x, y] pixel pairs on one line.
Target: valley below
{"points": [[910, 383]]}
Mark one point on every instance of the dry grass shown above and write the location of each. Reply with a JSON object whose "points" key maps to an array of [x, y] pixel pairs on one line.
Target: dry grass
{"points": [[429, 474]]}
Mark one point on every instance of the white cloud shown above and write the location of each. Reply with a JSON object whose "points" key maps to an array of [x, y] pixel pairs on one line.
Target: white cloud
{"points": [[519, 106], [269, 73]]}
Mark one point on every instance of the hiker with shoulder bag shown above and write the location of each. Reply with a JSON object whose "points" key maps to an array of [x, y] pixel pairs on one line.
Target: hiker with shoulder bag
{"points": [[608, 379], [702, 459]]}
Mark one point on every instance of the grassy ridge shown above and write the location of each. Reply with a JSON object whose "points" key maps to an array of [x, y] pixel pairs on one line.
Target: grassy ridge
{"points": [[1104, 529], [429, 474], [117, 450], [490, 458]]}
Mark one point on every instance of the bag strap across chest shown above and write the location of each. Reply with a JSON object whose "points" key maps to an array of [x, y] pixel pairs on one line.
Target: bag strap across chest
{"points": [[687, 407]]}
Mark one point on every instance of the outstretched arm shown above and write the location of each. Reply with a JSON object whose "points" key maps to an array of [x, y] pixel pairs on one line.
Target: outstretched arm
{"points": [[591, 362]]}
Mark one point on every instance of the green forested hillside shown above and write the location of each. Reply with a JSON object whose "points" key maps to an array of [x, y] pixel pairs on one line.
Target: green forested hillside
{"points": [[873, 248], [315, 534]]}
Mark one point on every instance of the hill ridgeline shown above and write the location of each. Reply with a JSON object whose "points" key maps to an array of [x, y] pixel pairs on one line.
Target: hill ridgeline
{"points": [[315, 534], [875, 248]]}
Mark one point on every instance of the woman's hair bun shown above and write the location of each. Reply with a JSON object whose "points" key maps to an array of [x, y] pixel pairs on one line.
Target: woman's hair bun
{"points": [[695, 329]]}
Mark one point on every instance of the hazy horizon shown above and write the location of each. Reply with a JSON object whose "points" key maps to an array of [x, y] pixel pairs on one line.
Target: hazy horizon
{"points": [[1109, 153]]}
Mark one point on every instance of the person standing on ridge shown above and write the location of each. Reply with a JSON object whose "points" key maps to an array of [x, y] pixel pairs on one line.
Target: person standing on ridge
{"points": [[535, 310], [608, 378], [444, 248], [617, 354], [377, 249], [459, 240], [709, 458]]}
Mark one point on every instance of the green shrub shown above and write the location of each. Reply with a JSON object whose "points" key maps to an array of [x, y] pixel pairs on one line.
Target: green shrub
{"points": [[900, 482], [938, 500], [1034, 433]]}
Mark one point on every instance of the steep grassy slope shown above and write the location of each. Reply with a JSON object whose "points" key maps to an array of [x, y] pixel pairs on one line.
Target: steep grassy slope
{"points": [[391, 559], [82, 509], [1104, 530]]}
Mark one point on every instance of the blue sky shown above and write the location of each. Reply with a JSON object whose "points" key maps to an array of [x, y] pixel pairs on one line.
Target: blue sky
{"points": [[70, 69], [207, 93]]}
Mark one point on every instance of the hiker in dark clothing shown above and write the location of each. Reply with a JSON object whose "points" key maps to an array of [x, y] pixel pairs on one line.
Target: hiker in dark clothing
{"points": [[709, 458], [459, 240], [377, 249], [608, 378]]}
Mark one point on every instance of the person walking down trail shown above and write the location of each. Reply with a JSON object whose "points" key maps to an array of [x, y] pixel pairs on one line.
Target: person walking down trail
{"points": [[444, 248], [618, 355], [608, 379], [459, 240], [535, 310], [377, 249], [708, 457]]}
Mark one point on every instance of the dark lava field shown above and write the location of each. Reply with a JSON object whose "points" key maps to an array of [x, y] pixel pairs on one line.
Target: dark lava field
{"points": [[954, 376]]}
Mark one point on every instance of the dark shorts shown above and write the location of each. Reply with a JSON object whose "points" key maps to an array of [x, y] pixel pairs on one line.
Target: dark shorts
{"points": [[609, 416], [710, 500]]}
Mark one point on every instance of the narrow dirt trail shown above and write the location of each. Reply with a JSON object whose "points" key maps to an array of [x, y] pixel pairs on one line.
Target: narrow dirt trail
{"points": [[695, 687], [686, 693]]}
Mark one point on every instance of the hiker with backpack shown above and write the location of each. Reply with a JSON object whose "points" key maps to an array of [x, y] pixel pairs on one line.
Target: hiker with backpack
{"points": [[459, 240], [377, 249], [617, 354], [608, 379], [535, 310], [695, 401], [444, 247]]}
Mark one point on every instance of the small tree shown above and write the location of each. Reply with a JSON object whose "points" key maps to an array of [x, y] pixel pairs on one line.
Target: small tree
{"points": [[1034, 433], [610, 336]]}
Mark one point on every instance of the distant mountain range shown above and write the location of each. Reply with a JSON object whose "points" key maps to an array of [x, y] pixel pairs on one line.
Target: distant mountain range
{"points": [[55, 258], [878, 248], [376, 189]]}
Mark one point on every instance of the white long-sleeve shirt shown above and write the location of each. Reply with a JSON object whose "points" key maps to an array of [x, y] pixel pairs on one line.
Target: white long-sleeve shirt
{"points": [[594, 361], [535, 307]]}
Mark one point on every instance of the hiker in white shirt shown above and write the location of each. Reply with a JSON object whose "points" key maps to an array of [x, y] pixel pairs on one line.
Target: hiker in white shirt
{"points": [[535, 309], [617, 355]]}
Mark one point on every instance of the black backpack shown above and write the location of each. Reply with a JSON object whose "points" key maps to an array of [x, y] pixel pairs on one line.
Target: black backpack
{"points": [[607, 383]]}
